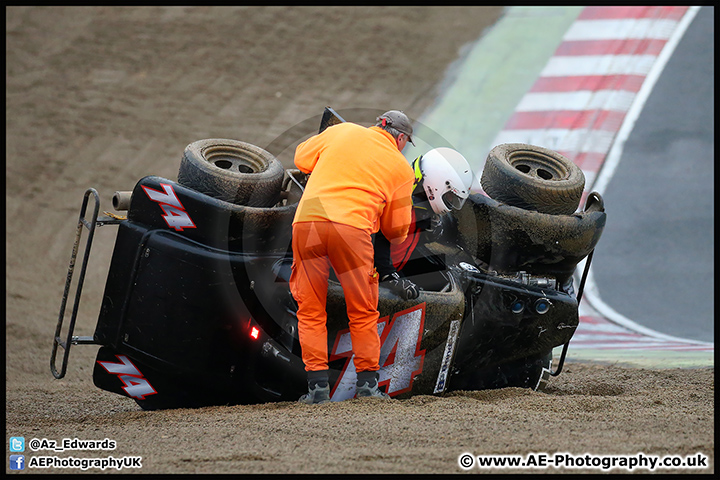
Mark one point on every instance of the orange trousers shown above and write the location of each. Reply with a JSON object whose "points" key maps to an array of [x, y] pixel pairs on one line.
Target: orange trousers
{"points": [[317, 246]]}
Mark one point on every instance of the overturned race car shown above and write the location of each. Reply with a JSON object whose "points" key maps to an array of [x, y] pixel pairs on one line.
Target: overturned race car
{"points": [[197, 308]]}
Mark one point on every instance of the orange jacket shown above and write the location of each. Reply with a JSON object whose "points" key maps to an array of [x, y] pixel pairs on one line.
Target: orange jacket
{"points": [[359, 178]]}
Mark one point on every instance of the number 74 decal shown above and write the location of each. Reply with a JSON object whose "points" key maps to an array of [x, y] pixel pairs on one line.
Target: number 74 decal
{"points": [[400, 356], [136, 385], [175, 215]]}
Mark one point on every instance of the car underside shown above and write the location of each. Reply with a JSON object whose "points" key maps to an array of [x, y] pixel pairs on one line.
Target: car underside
{"points": [[197, 308]]}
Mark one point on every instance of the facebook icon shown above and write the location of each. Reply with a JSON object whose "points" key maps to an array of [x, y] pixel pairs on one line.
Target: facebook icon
{"points": [[17, 462]]}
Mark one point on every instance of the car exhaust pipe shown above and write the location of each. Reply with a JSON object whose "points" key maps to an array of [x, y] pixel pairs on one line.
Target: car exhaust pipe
{"points": [[121, 200]]}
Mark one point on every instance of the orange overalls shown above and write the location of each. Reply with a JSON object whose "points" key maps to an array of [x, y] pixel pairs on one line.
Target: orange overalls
{"points": [[360, 183]]}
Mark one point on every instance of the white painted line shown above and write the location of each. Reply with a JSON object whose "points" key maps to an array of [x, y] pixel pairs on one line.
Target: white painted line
{"points": [[580, 140], [621, 29], [564, 66], [589, 176], [592, 296], [615, 100], [591, 293], [613, 158]]}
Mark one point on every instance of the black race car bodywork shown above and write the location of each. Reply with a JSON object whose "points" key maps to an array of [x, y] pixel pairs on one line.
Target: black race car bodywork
{"points": [[197, 308]]}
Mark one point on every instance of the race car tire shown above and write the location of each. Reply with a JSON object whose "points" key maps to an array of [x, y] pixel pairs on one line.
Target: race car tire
{"points": [[527, 372], [511, 239], [533, 178], [233, 171]]}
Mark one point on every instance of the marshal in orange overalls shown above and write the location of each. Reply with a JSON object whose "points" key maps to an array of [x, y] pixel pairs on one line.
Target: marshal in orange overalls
{"points": [[360, 184]]}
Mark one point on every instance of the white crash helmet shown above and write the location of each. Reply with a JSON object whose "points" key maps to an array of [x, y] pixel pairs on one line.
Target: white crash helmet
{"points": [[447, 178]]}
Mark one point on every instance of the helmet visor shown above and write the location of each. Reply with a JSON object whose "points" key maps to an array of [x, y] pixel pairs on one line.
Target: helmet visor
{"points": [[452, 201]]}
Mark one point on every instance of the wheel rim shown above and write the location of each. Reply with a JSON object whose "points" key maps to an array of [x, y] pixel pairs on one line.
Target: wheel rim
{"points": [[538, 166], [234, 159]]}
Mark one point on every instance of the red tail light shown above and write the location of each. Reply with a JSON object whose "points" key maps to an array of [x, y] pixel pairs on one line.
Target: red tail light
{"points": [[254, 333]]}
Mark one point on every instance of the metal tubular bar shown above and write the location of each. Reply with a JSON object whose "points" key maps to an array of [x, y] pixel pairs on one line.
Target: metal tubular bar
{"points": [[581, 288], [57, 340], [594, 201]]}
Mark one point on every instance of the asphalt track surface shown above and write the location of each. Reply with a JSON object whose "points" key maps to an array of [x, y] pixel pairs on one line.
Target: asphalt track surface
{"points": [[654, 263]]}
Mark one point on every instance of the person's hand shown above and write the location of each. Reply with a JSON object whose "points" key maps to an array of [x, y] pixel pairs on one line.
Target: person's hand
{"points": [[437, 228], [401, 286]]}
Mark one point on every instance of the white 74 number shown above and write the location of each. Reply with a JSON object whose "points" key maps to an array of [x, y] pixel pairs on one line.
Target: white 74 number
{"points": [[400, 356], [175, 215], [136, 385]]}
